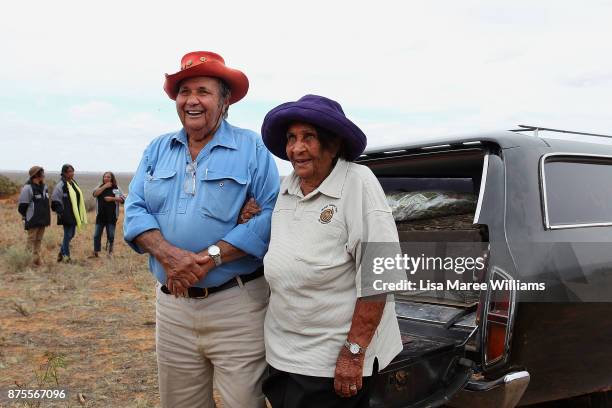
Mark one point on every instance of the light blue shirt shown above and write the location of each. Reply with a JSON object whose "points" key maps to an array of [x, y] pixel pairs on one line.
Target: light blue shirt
{"points": [[195, 211]]}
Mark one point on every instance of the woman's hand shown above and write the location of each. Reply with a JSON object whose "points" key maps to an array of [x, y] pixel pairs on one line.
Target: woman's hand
{"points": [[348, 378], [248, 211]]}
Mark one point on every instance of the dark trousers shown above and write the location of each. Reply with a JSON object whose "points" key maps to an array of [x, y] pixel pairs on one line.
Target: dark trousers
{"points": [[69, 231], [110, 236], [288, 390]]}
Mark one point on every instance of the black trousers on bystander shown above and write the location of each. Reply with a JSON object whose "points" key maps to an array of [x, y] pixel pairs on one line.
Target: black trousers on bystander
{"points": [[288, 390]]}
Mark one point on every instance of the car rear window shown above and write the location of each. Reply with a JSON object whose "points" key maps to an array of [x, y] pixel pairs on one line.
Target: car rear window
{"points": [[578, 191]]}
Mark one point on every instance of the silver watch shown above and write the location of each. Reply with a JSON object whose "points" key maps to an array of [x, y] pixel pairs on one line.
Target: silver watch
{"points": [[215, 253], [354, 348]]}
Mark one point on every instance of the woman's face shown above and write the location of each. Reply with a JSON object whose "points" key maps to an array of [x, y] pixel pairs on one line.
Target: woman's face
{"points": [[311, 162], [106, 178], [70, 173], [40, 178]]}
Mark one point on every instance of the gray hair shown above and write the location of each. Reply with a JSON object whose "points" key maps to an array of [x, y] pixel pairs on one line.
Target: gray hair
{"points": [[225, 92]]}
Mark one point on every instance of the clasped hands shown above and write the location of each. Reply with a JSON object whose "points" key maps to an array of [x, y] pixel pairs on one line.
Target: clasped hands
{"points": [[185, 268]]}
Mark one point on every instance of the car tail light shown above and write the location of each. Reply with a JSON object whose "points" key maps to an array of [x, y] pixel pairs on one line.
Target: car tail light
{"points": [[498, 319]]}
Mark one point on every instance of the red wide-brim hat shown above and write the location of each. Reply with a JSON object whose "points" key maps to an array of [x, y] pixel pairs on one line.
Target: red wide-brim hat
{"points": [[206, 63]]}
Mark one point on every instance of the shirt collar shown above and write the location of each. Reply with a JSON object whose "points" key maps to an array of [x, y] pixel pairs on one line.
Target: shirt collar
{"points": [[224, 136], [332, 185]]}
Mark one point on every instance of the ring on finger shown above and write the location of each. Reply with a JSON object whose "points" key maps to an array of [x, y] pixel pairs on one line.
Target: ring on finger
{"points": [[353, 387]]}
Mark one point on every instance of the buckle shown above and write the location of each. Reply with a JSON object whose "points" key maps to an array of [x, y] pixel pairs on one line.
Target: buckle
{"points": [[205, 294]]}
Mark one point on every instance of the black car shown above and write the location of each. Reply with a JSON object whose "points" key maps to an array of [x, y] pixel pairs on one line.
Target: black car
{"points": [[542, 212]]}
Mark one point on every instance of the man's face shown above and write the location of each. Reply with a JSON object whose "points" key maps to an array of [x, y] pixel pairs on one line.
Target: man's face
{"points": [[199, 104]]}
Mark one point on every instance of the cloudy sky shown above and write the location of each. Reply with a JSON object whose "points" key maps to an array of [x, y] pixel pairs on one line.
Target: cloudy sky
{"points": [[81, 82]]}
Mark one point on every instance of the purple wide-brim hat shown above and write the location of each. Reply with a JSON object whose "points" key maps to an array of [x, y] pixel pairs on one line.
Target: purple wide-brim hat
{"points": [[315, 110]]}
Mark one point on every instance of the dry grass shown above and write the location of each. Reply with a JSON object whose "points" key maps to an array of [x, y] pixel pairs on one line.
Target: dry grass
{"points": [[87, 327]]}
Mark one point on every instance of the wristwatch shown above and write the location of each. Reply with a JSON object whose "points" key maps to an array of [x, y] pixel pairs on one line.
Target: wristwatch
{"points": [[215, 253], [354, 348]]}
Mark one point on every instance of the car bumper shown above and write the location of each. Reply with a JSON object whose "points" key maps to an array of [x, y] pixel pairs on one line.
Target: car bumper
{"points": [[504, 392]]}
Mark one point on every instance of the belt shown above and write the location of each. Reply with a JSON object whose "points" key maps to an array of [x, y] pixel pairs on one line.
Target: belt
{"points": [[195, 292]]}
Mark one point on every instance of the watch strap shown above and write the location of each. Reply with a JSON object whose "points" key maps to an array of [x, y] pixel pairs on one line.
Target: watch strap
{"points": [[354, 348]]}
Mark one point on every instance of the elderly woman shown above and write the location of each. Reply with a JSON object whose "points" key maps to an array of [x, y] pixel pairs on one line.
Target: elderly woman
{"points": [[323, 340]]}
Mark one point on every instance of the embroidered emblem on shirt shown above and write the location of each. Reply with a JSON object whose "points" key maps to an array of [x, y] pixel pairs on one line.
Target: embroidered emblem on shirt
{"points": [[327, 213]]}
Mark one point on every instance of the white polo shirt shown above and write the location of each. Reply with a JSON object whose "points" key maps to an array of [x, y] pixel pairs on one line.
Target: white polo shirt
{"points": [[312, 266]]}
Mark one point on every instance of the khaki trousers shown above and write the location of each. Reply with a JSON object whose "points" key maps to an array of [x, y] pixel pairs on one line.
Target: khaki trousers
{"points": [[35, 236], [217, 339]]}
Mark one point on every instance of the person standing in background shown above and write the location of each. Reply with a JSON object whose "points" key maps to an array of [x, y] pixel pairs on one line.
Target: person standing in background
{"points": [[34, 208], [108, 198], [68, 202]]}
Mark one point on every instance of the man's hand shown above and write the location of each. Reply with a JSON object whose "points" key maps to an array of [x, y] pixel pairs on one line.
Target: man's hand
{"points": [[248, 211], [183, 268], [348, 378]]}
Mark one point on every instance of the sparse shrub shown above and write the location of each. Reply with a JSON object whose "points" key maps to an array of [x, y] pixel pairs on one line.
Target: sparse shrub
{"points": [[17, 258], [48, 374], [7, 186], [21, 309]]}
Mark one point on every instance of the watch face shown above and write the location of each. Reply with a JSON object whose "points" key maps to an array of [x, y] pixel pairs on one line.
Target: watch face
{"points": [[354, 348], [213, 250]]}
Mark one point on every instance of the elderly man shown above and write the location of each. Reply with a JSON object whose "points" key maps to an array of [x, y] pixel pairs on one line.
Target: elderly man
{"points": [[183, 208]]}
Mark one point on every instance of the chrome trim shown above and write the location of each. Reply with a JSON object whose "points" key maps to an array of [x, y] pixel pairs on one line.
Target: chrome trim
{"points": [[594, 224], [483, 182], [488, 385], [544, 197], [365, 158], [474, 330], [509, 326], [421, 320], [503, 392], [515, 376], [435, 146]]}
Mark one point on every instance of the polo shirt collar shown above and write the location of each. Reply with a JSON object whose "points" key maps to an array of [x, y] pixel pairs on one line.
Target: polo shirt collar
{"points": [[224, 136], [331, 186]]}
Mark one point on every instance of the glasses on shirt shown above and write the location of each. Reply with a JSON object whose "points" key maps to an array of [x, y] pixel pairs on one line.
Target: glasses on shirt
{"points": [[189, 186]]}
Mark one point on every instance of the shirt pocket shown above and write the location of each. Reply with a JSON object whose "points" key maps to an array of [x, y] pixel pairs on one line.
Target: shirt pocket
{"points": [[320, 243], [223, 195], [157, 188]]}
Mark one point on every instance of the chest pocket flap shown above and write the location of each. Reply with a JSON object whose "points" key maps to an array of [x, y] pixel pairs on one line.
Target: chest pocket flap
{"points": [[224, 195], [157, 188]]}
